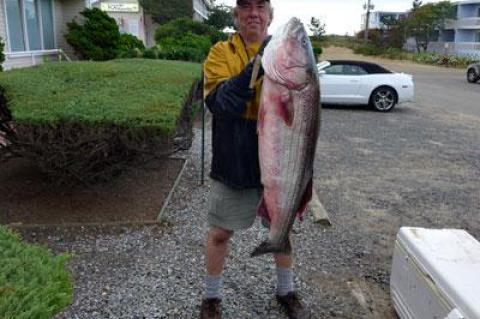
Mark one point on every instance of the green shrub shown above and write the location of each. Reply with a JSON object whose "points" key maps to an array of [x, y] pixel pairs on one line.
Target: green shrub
{"points": [[2, 55], [368, 49], [131, 53], [189, 47], [178, 28], [129, 41], [185, 39], [395, 54], [33, 282], [152, 53], [98, 38]]}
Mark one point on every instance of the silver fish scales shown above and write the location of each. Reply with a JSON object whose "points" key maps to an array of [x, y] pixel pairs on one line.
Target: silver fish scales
{"points": [[288, 128]]}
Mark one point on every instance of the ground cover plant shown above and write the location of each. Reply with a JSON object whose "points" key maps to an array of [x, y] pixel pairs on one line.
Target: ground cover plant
{"points": [[84, 121], [33, 282]]}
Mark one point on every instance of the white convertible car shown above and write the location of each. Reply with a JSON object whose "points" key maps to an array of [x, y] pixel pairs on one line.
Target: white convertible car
{"points": [[358, 82]]}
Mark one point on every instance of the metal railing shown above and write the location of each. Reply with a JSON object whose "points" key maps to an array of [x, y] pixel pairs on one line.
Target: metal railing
{"points": [[464, 23]]}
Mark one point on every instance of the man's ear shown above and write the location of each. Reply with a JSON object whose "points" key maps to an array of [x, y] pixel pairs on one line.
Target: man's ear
{"points": [[235, 13], [271, 17], [235, 18]]}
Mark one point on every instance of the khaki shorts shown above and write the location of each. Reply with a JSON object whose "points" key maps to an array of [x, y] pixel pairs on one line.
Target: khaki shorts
{"points": [[232, 209]]}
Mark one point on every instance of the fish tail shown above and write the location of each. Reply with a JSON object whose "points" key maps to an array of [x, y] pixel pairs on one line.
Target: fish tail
{"points": [[268, 247]]}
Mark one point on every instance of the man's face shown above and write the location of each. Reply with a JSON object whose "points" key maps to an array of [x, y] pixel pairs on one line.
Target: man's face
{"points": [[253, 16]]}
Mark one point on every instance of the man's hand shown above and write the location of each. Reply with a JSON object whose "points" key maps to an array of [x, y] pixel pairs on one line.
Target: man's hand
{"points": [[231, 96]]}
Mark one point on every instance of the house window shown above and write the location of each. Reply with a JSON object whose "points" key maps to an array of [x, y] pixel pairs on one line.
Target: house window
{"points": [[30, 24], [15, 25]]}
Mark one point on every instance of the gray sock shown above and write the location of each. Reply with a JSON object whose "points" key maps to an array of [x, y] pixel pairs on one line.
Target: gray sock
{"points": [[284, 281], [212, 287]]}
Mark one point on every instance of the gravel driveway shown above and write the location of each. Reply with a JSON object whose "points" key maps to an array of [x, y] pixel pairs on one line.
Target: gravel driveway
{"points": [[415, 166]]}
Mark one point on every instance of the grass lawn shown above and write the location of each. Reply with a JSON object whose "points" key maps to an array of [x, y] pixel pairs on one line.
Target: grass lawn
{"points": [[33, 282], [138, 93]]}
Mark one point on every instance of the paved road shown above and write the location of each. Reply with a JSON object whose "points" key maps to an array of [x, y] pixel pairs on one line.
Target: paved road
{"points": [[441, 88]]}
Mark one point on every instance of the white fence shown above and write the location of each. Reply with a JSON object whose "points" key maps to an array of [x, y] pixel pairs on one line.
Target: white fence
{"points": [[470, 49]]}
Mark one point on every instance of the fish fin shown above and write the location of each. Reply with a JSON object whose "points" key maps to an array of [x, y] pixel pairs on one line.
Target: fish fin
{"points": [[263, 210], [307, 196], [285, 108], [267, 247]]}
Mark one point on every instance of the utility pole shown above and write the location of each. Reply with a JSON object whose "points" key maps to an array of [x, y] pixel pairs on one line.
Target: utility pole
{"points": [[368, 6]]}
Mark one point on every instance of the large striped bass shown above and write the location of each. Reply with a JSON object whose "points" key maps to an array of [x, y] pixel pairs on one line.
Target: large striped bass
{"points": [[288, 126]]}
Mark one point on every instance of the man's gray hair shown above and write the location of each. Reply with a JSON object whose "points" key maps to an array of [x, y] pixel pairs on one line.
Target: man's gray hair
{"points": [[235, 20]]}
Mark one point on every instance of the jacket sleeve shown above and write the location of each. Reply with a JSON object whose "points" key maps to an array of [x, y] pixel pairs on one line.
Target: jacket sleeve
{"points": [[226, 95], [231, 96]]}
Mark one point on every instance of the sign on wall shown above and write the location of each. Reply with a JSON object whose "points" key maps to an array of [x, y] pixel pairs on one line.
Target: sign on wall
{"points": [[119, 7]]}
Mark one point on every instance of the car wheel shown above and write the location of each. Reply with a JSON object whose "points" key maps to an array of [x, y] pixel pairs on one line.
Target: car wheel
{"points": [[472, 76], [383, 99]]}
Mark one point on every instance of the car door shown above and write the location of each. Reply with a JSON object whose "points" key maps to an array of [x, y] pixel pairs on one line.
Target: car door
{"points": [[340, 83]]}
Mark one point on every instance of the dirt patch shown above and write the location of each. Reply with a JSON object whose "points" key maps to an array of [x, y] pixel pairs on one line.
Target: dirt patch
{"points": [[135, 196]]}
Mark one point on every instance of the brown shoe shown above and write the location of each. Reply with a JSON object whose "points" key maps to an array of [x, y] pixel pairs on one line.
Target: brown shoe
{"points": [[211, 309], [293, 306]]}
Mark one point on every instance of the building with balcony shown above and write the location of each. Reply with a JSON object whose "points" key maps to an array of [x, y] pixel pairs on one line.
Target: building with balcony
{"points": [[462, 35], [33, 30]]}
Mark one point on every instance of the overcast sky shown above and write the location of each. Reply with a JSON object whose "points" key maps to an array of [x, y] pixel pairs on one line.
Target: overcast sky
{"points": [[340, 16]]}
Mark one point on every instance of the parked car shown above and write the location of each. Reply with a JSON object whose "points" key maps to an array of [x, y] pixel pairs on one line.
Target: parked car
{"points": [[359, 82], [473, 72]]}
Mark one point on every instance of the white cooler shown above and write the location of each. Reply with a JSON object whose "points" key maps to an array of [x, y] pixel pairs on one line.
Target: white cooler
{"points": [[436, 274]]}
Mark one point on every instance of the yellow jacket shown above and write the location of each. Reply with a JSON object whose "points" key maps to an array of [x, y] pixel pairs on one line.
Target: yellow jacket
{"points": [[227, 59]]}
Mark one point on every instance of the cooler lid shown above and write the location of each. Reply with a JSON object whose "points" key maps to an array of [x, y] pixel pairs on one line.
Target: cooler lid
{"points": [[451, 257]]}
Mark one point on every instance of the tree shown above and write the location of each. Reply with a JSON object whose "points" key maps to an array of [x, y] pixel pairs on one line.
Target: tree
{"points": [[2, 55], [98, 38], [317, 28], [163, 11], [220, 16], [426, 21], [416, 4]]}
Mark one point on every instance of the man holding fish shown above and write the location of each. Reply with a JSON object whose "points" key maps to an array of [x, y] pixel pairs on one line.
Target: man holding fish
{"points": [[269, 173]]}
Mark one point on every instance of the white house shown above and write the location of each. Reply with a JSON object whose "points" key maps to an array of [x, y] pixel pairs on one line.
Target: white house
{"points": [[33, 30]]}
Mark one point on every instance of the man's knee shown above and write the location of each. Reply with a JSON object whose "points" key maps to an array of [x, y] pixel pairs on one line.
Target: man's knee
{"points": [[219, 236]]}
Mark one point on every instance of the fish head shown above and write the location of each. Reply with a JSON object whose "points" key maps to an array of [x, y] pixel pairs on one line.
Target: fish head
{"points": [[288, 59]]}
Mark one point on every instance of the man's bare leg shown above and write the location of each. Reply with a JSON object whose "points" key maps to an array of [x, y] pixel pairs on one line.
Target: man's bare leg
{"points": [[215, 254]]}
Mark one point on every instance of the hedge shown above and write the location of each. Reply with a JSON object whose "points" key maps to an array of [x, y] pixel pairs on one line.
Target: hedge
{"points": [[130, 92], [84, 122]]}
